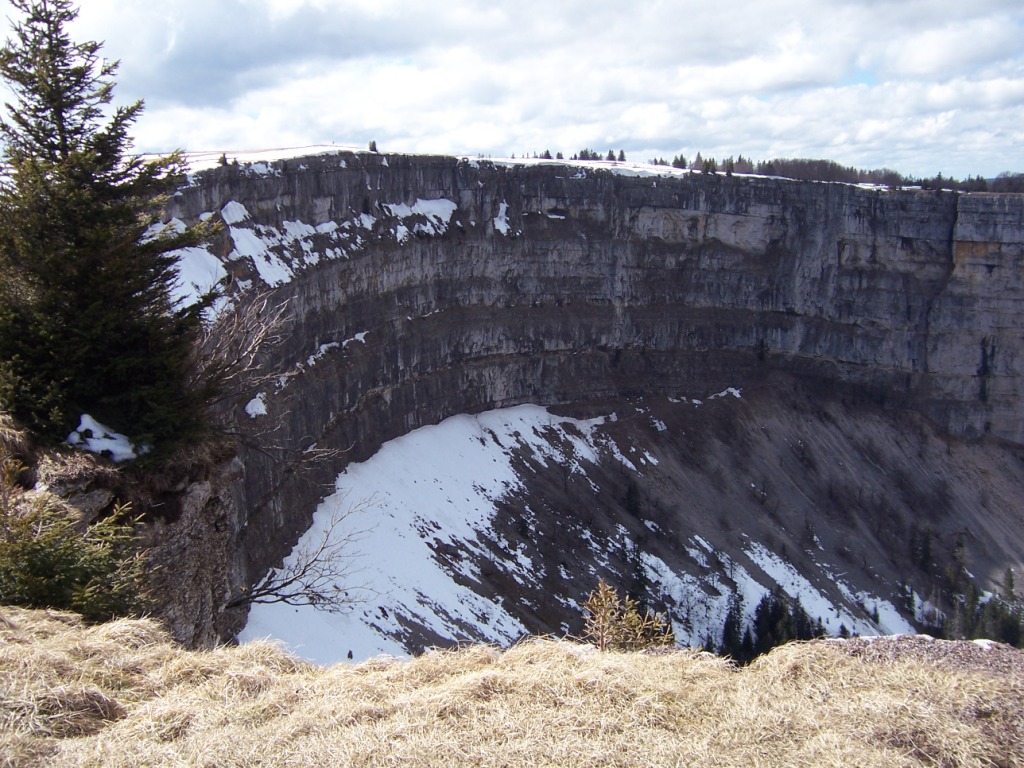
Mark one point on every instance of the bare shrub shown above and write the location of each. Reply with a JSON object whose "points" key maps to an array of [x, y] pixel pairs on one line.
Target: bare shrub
{"points": [[616, 625], [232, 354], [319, 572]]}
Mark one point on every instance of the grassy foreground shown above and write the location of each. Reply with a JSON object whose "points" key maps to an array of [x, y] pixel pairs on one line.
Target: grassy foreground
{"points": [[121, 694]]}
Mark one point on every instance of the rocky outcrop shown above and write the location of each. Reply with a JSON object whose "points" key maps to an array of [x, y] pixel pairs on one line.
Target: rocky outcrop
{"points": [[193, 558], [422, 287]]}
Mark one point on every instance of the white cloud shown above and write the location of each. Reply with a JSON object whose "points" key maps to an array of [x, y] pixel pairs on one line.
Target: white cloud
{"points": [[919, 85], [948, 50]]}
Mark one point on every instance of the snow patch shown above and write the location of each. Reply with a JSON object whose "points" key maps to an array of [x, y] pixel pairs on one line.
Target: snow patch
{"points": [[360, 337], [297, 230], [501, 220], [424, 508], [234, 212], [198, 273], [262, 169], [96, 438], [257, 406], [320, 353], [276, 254], [432, 217], [725, 393]]}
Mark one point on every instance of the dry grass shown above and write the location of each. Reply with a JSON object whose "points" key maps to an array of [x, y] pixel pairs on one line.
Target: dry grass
{"points": [[122, 695], [13, 441]]}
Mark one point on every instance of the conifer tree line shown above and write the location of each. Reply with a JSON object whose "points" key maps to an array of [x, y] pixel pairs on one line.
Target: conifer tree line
{"points": [[87, 323], [777, 619], [970, 611], [803, 169]]}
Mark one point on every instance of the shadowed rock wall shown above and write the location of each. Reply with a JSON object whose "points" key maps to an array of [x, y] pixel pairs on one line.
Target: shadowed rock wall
{"points": [[555, 284]]}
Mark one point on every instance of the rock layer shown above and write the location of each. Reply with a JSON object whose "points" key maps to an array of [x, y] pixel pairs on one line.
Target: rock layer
{"points": [[555, 284]]}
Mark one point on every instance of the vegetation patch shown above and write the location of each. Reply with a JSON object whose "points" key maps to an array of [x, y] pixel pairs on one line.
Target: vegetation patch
{"points": [[121, 694]]}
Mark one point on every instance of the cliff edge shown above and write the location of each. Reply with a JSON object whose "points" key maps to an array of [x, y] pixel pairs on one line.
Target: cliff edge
{"points": [[423, 287]]}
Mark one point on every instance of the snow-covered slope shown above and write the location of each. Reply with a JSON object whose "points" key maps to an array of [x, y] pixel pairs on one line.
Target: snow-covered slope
{"points": [[422, 519]]}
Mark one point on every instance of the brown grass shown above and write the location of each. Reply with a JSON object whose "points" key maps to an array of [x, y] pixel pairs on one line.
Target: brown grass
{"points": [[122, 695], [13, 441]]}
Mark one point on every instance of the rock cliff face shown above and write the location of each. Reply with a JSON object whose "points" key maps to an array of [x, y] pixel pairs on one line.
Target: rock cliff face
{"points": [[422, 287]]}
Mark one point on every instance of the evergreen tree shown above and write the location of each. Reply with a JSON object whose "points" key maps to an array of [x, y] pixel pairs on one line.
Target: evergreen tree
{"points": [[777, 620], [87, 324], [921, 546], [1009, 588], [747, 646], [633, 505], [773, 622], [46, 562], [732, 631]]}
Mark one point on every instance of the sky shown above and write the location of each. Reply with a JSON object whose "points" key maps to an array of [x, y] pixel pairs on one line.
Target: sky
{"points": [[920, 86]]}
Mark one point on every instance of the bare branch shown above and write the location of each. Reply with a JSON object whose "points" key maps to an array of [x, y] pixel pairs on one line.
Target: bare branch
{"points": [[233, 349], [318, 573]]}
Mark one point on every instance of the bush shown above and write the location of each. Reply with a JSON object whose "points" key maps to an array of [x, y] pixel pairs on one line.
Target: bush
{"points": [[616, 625], [46, 561]]}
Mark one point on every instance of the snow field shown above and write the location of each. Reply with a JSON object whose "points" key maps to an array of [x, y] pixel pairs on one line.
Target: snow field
{"points": [[421, 510]]}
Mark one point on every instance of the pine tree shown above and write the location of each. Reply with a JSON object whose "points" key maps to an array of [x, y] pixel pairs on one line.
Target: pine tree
{"points": [[732, 631], [87, 324], [774, 623], [46, 562], [1009, 588]]}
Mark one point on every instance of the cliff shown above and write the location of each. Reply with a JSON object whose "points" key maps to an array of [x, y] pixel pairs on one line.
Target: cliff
{"points": [[422, 287]]}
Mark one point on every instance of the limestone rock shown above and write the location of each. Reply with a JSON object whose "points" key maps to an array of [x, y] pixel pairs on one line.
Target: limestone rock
{"points": [[422, 287]]}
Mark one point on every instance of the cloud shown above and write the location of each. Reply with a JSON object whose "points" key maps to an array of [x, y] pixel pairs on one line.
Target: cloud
{"points": [[919, 85]]}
